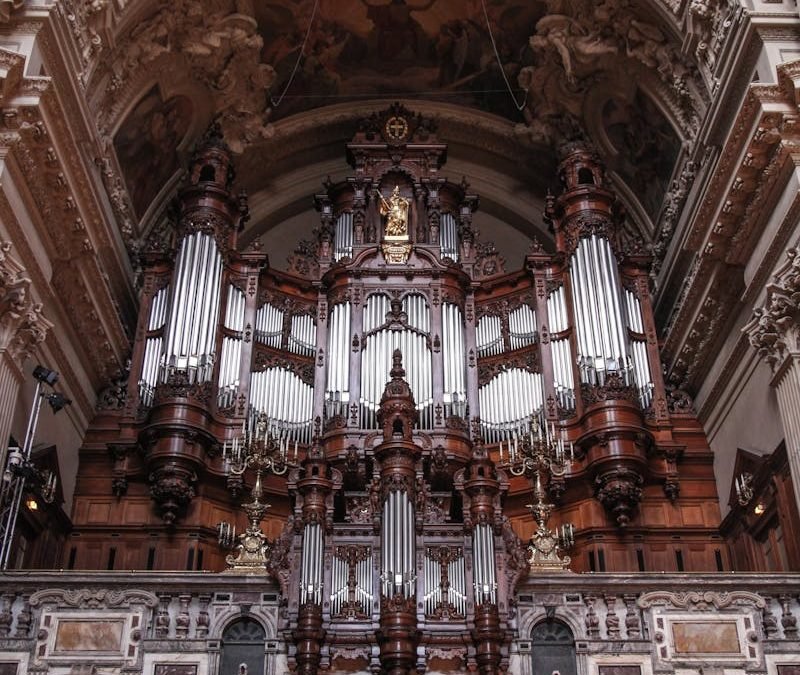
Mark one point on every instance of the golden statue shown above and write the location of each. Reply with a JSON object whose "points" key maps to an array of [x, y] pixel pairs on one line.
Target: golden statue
{"points": [[396, 211]]}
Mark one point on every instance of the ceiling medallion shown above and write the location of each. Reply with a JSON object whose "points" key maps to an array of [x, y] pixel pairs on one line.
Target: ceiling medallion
{"points": [[396, 129]]}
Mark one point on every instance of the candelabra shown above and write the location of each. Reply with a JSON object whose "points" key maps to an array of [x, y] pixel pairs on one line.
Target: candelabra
{"points": [[542, 455], [20, 473], [262, 448], [744, 488]]}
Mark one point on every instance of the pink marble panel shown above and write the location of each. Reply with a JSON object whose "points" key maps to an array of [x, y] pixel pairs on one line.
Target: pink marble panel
{"points": [[717, 637], [89, 636]]}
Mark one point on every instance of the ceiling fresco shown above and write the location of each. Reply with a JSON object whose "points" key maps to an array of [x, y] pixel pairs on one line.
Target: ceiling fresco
{"points": [[434, 49], [288, 80]]}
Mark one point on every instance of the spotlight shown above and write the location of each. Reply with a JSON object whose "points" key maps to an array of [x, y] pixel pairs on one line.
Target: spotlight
{"points": [[57, 401], [45, 375]]}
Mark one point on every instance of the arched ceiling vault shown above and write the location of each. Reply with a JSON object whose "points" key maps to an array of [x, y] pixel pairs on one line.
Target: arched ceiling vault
{"points": [[613, 73]]}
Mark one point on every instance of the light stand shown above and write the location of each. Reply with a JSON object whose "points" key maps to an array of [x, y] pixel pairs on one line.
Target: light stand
{"points": [[542, 456], [18, 468], [257, 448]]}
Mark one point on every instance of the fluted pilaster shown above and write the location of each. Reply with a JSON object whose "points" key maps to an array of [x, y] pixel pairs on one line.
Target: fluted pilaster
{"points": [[774, 331]]}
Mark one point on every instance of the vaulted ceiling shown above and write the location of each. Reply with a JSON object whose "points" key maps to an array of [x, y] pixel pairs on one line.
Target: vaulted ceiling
{"points": [[508, 82]]}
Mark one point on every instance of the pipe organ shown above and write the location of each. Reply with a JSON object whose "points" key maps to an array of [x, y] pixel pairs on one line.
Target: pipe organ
{"points": [[398, 356]]}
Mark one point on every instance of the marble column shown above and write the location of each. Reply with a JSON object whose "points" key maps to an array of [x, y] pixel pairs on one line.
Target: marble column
{"points": [[774, 331], [22, 327]]}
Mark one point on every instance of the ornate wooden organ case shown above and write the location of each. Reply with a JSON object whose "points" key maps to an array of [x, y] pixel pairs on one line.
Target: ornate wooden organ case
{"points": [[400, 362]]}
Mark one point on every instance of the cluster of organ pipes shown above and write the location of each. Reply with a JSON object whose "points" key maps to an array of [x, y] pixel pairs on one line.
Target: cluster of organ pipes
{"points": [[522, 327], [603, 344], [563, 381], [153, 345], [453, 350], [382, 335], [231, 353], [398, 560], [302, 335], [286, 400], [639, 348], [509, 401], [483, 562], [437, 593], [337, 387], [343, 236], [311, 564], [448, 236], [489, 336], [191, 328], [269, 325], [351, 580]]}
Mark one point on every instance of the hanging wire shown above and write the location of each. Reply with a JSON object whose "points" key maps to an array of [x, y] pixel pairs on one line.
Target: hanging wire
{"points": [[275, 103], [519, 106]]}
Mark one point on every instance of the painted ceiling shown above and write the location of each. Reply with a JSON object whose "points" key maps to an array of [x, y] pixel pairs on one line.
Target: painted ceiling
{"points": [[508, 80]]}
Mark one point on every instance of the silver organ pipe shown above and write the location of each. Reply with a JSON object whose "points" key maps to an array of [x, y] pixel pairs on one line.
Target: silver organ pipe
{"points": [[508, 402], [192, 324], [602, 342], [560, 349], [343, 236], [397, 546], [337, 394], [641, 364], [453, 360], [484, 573], [286, 400], [489, 335], [522, 327], [153, 346], [311, 563], [269, 325], [376, 357], [448, 236], [230, 355], [303, 335]]}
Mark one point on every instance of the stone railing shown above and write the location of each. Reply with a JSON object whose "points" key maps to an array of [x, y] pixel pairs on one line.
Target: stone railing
{"points": [[153, 623], [665, 623]]}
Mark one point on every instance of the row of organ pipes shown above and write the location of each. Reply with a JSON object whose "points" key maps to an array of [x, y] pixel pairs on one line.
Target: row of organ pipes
{"points": [[398, 557], [311, 564], [455, 592], [344, 573], [608, 324]]}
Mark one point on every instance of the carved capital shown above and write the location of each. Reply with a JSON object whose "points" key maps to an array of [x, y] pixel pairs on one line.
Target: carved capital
{"points": [[22, 325], [774, 329]]}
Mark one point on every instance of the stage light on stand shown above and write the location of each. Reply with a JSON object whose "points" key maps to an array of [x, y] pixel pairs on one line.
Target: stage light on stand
{"points": [[20, 475]]}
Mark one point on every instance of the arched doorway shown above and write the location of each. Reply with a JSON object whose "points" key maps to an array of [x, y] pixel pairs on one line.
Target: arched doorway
{"points": [[552, 649], [243, 649]]}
